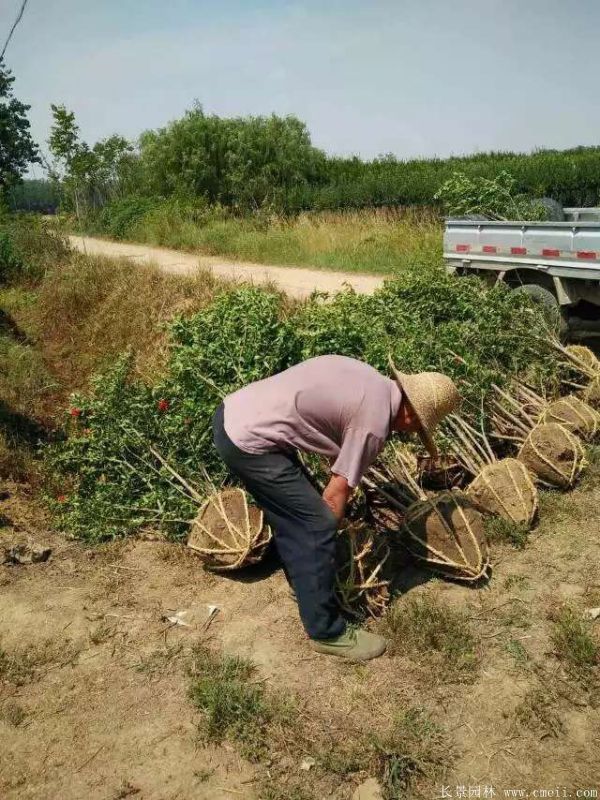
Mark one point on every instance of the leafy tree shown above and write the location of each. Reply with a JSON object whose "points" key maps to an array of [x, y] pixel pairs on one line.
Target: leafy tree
{"points": [[244, 162], [17, 148], [88, 177]]}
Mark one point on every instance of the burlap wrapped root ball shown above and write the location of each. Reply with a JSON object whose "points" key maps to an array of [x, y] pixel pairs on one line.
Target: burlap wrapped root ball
{"points": [[553, 454], [447, 532], [361, 583], [574, 414], [506, 489], [228, 532]]}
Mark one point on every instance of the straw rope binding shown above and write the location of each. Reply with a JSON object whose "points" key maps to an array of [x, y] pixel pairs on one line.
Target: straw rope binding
{"points": [[505, 488], [575, 415], [229, 533], [447, 533], [553, 454]]}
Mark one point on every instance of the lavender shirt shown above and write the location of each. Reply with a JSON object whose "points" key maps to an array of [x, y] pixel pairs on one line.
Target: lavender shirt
{"points": [[332, 405]]}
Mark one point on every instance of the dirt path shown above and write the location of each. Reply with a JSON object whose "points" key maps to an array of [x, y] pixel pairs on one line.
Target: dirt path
{"points": [[293, 281], [94, 684]]}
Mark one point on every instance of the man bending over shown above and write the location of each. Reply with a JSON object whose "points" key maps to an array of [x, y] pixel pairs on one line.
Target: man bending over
{"points": [[345, 410]]}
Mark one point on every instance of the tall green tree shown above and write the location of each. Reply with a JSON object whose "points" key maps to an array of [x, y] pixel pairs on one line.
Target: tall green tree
{"points": [[17, 148], [245, 162], [87, 176]]}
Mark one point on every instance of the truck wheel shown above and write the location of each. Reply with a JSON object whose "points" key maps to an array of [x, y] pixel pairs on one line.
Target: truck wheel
{"points": [[549, 304], [554, 210]]}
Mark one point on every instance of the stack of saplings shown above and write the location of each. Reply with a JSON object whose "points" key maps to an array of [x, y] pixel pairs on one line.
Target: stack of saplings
{"points": [[133, 452], [549, 450], [581, 371], [362, 583]]}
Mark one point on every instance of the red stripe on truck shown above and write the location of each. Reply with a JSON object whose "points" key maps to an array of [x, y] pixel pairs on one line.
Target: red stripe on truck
{"points": [[548, 251], [463, 248], [589, 255], [518, 251], [489, 248]]}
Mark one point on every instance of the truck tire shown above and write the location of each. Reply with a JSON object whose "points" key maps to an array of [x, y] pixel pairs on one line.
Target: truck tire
{"points": [[554, 210], [549, 304]]}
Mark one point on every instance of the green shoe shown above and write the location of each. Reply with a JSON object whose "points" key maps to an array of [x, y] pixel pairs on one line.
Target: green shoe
{"points": [[354, 643]]}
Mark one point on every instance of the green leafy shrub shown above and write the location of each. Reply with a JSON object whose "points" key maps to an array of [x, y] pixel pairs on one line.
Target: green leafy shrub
{"points": [[494, 197], [120, 437], [29, 247], [10, 263], [432, 322], [119, 217], [110, 480]]}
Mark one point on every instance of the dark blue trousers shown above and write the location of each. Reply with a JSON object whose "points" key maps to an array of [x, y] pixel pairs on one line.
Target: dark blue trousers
{"points": [[304, 527]]}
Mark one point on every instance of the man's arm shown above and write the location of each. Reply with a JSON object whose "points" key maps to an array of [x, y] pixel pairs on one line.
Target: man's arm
{"points": [[336, 495]]}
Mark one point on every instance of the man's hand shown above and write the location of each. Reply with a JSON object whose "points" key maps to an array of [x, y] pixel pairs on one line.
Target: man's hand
{"points": [[336, 495]]}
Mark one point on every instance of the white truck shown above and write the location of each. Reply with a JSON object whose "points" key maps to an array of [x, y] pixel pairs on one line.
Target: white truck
{"points": [[557, 263]]}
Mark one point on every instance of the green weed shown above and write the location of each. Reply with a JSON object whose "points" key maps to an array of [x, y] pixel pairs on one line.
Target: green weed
{"points": [[441, 637], [234, 704], [499, 529], [573, 641], [415, 749], [515, 649], [13, 714]]}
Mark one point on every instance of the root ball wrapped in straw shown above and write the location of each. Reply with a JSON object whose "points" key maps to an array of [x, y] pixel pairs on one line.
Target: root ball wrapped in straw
{"points": [[583, 356], [361, 584], [505, 489], [228, 532], [553, 454], [447, 533], [591, 394], [575, 415]]}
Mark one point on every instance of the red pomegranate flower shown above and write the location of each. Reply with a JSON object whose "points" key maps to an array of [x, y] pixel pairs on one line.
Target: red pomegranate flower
{"points": [[75, 412], [163, 405], [62, 498]]}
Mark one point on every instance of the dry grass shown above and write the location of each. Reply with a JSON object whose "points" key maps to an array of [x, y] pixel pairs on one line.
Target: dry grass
{"points": [[439, 637], [85, 313], [378, 241], [92, 309]]}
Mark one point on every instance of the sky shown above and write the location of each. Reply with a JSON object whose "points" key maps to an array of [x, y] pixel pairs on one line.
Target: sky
{"points": [[408, 77]]}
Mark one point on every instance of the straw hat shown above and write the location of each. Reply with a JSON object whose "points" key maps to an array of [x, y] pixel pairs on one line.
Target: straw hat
{"points": [[432, 396]]}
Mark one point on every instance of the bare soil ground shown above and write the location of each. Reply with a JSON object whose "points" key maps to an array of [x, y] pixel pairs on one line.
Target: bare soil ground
{"points": [[94, 689], [295, 282]]}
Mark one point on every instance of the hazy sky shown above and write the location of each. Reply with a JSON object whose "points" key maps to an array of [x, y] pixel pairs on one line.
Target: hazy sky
{"points": [[411, 77]]}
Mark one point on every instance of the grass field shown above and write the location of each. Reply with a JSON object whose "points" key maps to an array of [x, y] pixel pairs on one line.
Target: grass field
{"points": [[371, 241]]}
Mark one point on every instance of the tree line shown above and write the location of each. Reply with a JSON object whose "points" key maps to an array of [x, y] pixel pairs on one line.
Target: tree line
{"points": [[245, 164]]}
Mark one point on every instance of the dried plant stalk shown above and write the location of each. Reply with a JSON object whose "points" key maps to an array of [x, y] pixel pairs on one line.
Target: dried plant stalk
{"points": [[361, 584]]}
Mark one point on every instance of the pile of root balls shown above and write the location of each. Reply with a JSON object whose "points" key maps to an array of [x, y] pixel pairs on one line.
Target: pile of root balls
{"points": [[495, 462]]}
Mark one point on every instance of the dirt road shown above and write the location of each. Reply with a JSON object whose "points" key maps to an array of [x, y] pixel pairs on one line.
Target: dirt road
{"points": [[296, 282]]}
